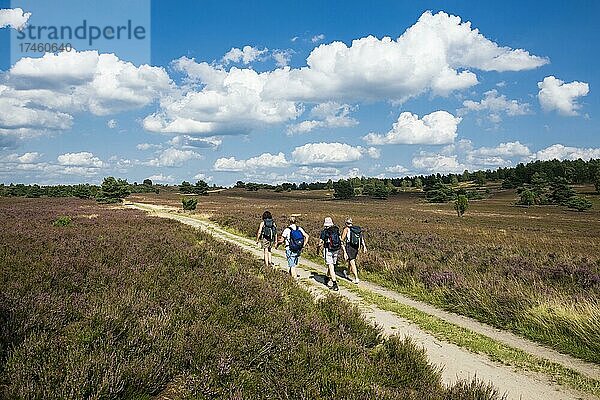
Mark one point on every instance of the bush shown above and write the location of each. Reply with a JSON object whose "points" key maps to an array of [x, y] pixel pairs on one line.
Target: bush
{"points": [[62, 221], [189, 204], [439, 193], [579, 203], [461, 204], [527, 197]]}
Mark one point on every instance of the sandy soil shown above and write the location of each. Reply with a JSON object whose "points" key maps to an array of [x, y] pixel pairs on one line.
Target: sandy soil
{"points": [[457, 363]]}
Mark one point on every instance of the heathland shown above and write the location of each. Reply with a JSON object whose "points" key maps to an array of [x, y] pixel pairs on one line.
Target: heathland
{"points": [[101, 302], [532, 270]]}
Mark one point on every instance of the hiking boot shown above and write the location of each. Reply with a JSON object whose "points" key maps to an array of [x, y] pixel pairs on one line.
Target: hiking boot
{"points": [[335, 287], [328, 282], [345, 273], [356, 281]]}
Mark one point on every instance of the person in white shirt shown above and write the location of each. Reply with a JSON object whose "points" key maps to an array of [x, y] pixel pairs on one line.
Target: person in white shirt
{"points": [[295, 239]]}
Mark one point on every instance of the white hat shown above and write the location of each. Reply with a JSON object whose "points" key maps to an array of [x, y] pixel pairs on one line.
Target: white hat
{"points": [[328, 222], [349, 221]]}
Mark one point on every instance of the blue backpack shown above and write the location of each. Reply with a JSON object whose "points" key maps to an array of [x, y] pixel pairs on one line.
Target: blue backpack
{"points": [[296, 240]]}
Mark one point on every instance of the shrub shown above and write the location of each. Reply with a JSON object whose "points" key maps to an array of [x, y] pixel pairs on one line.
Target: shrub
{"points": [[461, 204], [527, 197], [439, 193], [561, 192], [62, 221], [189, 204], [579, 203]]}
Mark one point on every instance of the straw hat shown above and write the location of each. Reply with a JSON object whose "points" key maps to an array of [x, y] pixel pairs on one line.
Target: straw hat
{"points": [[328, 222]]}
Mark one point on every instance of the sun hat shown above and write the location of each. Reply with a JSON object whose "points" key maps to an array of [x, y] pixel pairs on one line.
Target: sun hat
{"points": [[328, 222], [349, 221]]}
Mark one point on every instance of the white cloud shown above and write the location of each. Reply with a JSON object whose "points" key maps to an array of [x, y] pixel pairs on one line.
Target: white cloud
{"points": [[330, 153], [264, 161], [190, 142], [434, 163], [148, 146], [173, 157], [439, 127], [317, 38], [29, 157], [435, 55], [200, 176], [15, 18], [81, 159], [509, 149], [327, 115], [246, 55], [561, 152], [496, 105], [282, 57], [557, 95], [162, 178], [112, 123], [397, 169]]}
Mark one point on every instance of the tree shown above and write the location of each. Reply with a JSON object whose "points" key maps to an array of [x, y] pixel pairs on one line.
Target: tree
{"points": [[343, 189], [461, 204], [376, 189], [329, 184], [561, 192], [418, 183], [186, 187], [453, 180], [479, 177], [579, 203], [82, 191], [113, 190], [527, 197], [240, 184], [147, 182], [201, 188], [439, 193], [189, 203], [597, 181]]}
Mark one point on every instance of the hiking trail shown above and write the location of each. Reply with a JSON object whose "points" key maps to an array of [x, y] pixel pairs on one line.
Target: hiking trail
{"points": [[457, 362]]}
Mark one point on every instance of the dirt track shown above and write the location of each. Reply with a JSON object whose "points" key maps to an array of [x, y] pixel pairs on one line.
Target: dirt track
{"points": [[457, 362]]}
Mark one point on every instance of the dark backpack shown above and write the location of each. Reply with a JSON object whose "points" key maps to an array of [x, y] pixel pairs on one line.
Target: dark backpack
{"points": [[332, 240], [355, 236], [296, 240], [269, 230]]}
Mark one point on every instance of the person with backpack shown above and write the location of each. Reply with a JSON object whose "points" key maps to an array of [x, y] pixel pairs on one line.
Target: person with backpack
{"points": [[295, 239], [331, 242], [266, 237], [353, 238]]}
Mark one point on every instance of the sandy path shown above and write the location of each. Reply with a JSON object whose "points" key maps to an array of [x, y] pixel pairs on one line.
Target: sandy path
{"points": [[458, 363]]}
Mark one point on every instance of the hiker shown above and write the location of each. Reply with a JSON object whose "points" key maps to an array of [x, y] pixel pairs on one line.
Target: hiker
{"points": [[295, 239], [353, 238], [331, 243], [266, 237]]}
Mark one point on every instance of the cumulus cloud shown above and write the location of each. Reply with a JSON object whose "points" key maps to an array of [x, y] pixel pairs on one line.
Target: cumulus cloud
{"points": [[14, 18], [557, 95], [434, 163], [161, 178], [397, 169], [330, 153], [561, 152], [173, 157], [437, 55], [246, 55], [111, 123], [191, 142], [327, 115], [264, 161], [509, 149], [496, 105], [439, 127], [81, 159], [200, 176], [282, 57]]}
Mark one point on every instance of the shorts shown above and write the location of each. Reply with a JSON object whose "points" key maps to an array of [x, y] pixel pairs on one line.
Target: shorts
{"points": [[351, 251], [266, 244], [292, 258], [330, 257]]}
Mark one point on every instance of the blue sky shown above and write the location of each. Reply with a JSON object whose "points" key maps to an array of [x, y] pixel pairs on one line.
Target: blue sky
{"points": [[289, 91]]}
